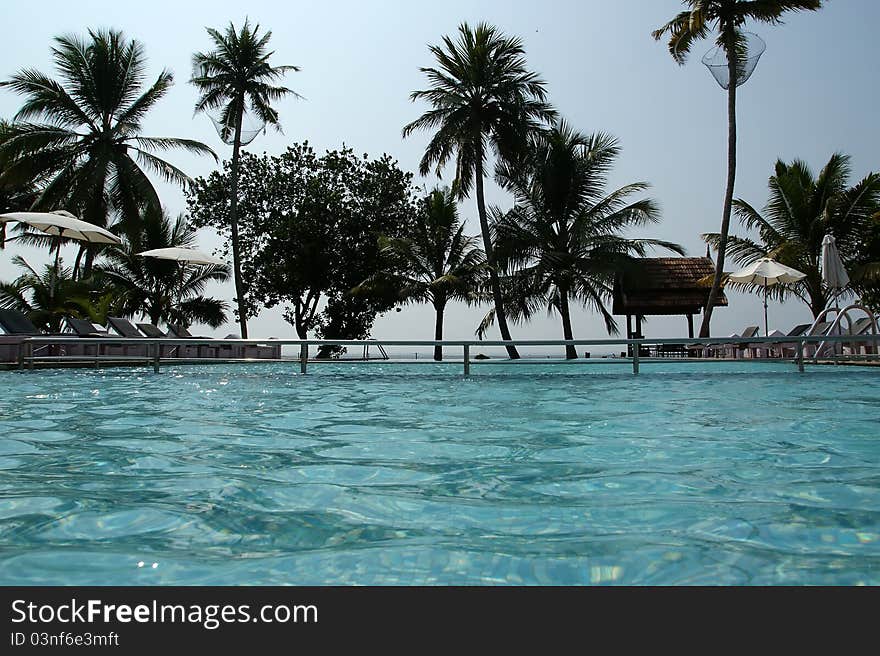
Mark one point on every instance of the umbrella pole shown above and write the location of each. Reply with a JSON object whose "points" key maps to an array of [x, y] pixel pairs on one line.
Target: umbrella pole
{"points": [[55, 272], [766, 329]]}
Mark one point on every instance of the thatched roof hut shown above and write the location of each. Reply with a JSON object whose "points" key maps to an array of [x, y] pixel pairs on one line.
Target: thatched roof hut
{"points": [[664, 286]]}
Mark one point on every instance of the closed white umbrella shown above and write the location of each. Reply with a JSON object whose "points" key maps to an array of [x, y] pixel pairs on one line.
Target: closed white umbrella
{"points": [[766, 272], [833, 272], [64, 225], [190, 255]]}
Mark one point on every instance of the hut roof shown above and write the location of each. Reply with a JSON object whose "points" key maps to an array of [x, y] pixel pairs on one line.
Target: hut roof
{"points": [[665, 285]]}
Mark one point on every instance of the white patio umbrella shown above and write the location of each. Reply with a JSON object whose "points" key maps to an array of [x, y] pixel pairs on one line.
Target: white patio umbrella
{"points": [[190, 255], [64, 225], [833, 272], [766, 272]]}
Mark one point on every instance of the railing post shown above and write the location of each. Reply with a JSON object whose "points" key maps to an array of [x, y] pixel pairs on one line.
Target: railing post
{"points": [[156, 349], [635, 351], [303, 358], [467, 360], [800, 357]]}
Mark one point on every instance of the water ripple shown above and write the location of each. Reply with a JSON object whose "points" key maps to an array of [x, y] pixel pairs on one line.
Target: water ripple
{"points": [[378, 474]]}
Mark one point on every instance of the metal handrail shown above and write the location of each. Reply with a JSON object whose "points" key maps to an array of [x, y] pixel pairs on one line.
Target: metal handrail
{"points": [[155, 344]]}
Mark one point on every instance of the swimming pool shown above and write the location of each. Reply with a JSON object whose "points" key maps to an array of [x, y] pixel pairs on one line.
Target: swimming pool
{"points": [[734, 473]]}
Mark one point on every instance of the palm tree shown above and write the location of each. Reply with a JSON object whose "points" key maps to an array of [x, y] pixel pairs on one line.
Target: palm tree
{"points": [[483, 100], [86, 146], [233, 77], [47, 298], [561, 242], [726, 18], [801, 210], [437, 263], [16, 194], [163, 290]]}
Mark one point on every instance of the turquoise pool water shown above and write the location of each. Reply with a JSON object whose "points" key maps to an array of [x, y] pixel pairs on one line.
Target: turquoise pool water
{"points": [[411, 474]]}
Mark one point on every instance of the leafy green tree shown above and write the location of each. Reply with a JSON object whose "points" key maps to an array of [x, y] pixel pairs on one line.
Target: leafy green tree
{"points": [[801, 210], [724, 18], [86, 146], [234, 77], [562, 240], [436, 263], [309, 230], [163, 290], [46, 299], [483, 101]]}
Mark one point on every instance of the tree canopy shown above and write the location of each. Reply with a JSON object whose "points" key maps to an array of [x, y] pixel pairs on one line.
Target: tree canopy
{"points": [[309, 231]]}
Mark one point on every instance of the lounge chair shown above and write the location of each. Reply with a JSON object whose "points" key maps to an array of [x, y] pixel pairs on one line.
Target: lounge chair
{"points": [[150, 330], [16, 327], [178, 331], [124, 328], [86, 329], [819, 330], [83, 328], [720, 350], [14, 322], [789, 348], [861, 328], [669, 350], [744, 347]]}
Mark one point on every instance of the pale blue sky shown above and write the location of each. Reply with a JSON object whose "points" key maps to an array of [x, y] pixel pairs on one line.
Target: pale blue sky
{"points": [[814, 92]]}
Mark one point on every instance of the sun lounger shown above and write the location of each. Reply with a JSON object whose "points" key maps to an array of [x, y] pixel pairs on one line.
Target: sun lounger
{"points": [[124, 328], [863, 327], [83, 328], [819, 330], [17, 327], [14, 322], [788, 348], [181, 332], [150, 330]]}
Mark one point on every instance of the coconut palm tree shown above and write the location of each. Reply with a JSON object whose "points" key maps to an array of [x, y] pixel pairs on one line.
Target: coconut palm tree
{"points": [[437, 263], [724, 18], [484, 101], [16, 194], [236, 77], [163, 290], [46, 298], [86, 145], [562, 240], [802, 208]]}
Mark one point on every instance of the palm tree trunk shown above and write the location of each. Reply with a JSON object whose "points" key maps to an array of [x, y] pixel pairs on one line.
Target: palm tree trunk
{"points": [[90, 262], [570, 350], [494, 283], [728, 194], [438, 330], [233, 223], [78, 261]]}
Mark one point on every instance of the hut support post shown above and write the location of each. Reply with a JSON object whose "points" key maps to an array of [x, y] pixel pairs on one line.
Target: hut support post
{"points": [[303, 358], [629, 332], [690, 319], [467, 359]]}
